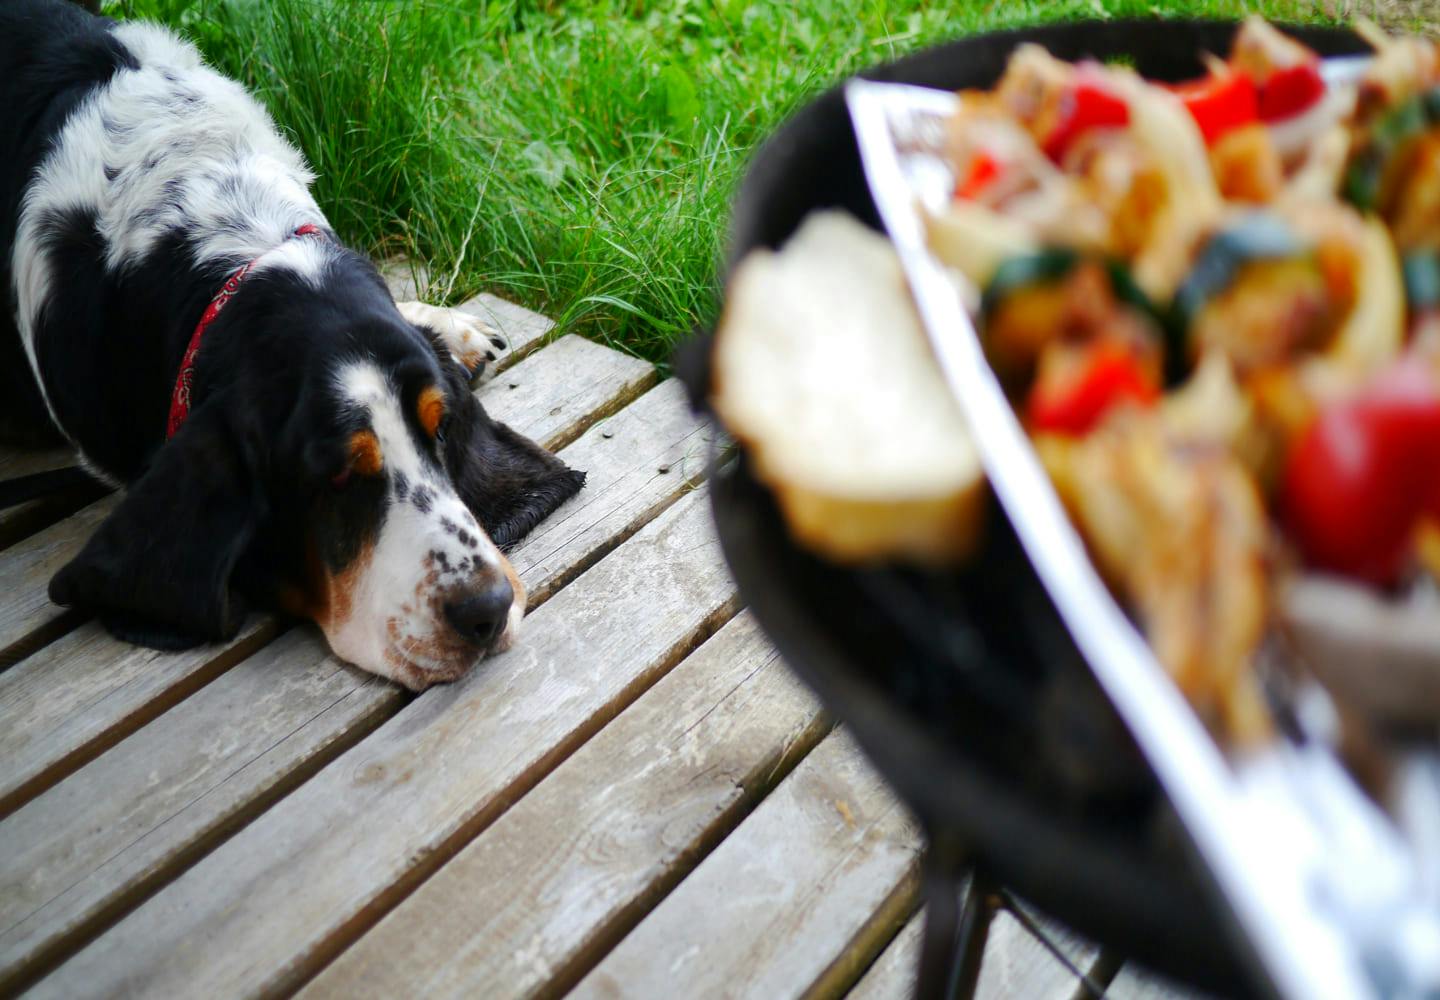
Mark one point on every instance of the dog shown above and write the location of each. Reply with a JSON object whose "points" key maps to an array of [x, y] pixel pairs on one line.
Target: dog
{"points": [[182, 315]]}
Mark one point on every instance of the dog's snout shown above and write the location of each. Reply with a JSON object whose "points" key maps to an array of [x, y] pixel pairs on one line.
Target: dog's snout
{"points": [[480, 617]]}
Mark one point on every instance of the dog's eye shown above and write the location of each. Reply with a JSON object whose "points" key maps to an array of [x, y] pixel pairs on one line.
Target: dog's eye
{"points": [[441, 428]]}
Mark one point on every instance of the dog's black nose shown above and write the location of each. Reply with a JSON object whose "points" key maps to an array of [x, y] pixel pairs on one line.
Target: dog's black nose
{"points": [[480, 617]]}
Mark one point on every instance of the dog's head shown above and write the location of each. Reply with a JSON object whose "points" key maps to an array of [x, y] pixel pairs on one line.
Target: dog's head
{"points": [[338, 466]]}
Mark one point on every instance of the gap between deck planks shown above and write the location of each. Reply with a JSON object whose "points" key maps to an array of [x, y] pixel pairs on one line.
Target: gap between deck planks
{"points": [[27, 518], [270, 906], [84, 691], [172, 811]]}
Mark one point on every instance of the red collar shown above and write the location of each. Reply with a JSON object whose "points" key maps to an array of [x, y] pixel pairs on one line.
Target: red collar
{"points": [[180, 396]]}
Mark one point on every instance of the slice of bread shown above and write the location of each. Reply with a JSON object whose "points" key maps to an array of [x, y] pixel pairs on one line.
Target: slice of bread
{"points": [[823, 372]]}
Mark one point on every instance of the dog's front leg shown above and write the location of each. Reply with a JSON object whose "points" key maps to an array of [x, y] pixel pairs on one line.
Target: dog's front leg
{"points": [[473, 343]]}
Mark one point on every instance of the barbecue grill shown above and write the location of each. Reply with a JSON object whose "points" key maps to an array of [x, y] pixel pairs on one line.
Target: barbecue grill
{"points": [[963, 687]]}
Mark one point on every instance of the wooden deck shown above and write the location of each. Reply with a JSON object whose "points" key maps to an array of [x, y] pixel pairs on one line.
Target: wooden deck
{"points": [[638, 800]]}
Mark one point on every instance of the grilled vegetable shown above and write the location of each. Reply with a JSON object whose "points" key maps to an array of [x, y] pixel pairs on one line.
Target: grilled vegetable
{"points": [[1060, 294], [976, 240], [1422, 280], [1360, 479], [983, 170], [1247, 166], [1375, 652], [1178, 528], [1087, 104], [1256, 237], [1050, 265], [1220, 102], [1258, 293], [1077, 386], [1268, 288], [1288, 92], [1376, 169], [1285, 72]]}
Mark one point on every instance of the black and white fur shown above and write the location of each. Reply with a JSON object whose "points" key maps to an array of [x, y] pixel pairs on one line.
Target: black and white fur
{"points": [[133, 181]]}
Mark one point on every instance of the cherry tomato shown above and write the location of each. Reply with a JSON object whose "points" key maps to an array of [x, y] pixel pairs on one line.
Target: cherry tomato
{"points": [[1360, 478], [1220, 102], [1071, 397], [1287, 92]]}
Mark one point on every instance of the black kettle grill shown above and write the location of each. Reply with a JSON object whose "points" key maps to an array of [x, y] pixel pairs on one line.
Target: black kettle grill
{"points": [[964, 688]]}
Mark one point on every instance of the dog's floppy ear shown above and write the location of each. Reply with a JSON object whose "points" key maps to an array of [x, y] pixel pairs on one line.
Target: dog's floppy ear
{"points": [[509, 482], [159, 571]]}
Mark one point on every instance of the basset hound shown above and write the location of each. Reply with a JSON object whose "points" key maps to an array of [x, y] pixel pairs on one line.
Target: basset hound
{"points": [[182, 315]]}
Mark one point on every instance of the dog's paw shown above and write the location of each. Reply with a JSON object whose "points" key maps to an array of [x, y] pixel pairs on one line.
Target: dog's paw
{"points": [[473, 343]]}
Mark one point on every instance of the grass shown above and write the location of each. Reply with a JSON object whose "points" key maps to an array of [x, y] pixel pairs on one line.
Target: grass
{"points": [[577, 156]]}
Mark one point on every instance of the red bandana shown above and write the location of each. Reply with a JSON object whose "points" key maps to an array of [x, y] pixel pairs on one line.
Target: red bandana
{"points": [[180, 397]]}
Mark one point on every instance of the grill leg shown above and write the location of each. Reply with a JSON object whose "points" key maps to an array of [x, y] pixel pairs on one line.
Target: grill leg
{"points": [[974, 929], [954, 941]]}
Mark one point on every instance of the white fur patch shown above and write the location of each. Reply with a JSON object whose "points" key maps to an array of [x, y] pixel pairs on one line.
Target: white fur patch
{"points": [[170, 145], [430, 550], [471, 341]]}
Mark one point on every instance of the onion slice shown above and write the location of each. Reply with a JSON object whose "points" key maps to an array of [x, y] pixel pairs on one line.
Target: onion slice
{"points": [[1380, 654]]}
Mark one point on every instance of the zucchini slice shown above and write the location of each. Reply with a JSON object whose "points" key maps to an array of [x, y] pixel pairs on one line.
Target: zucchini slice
{"points": [[1370, 165], [1422, 280], [1052, 264], [1255, 237], [1012, 356]]}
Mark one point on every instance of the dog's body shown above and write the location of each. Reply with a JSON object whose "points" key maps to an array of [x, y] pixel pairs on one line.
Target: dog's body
{"points": [[327, 455]]}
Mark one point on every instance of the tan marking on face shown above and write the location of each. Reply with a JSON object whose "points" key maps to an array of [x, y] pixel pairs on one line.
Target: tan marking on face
{"points": [[323, 597], [514, 578], [517, 608], [431, 409], [307, 597], [366, 457]]}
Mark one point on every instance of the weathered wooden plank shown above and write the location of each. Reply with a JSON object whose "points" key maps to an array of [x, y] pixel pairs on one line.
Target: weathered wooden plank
{"points": [[15, 462], [407, 280], [1017, 964], [788, 903], [547, 388], [86, 690], [27, 618], [273, 904], [163, 791], [892, 977], [75, 854], [635, 462], [216, 746], [1135, 982], [26, 518], [562, 875], [63, 703]]}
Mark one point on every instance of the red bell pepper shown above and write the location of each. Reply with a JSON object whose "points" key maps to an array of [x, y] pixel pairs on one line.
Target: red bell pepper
{"points": [[983, 169], [1358, 481], [1086, 105], [1290, 91], [1071, 397], [1220, 102]]}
